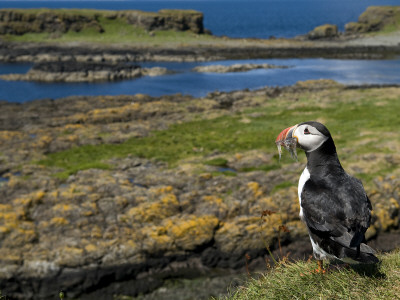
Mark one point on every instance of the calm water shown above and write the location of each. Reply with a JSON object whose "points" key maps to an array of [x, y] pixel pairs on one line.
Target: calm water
{"points": [[199, 84], [280, 18]]}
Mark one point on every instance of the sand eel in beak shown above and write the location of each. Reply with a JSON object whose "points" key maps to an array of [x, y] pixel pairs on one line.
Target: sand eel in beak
{"points": [[333, 204]]}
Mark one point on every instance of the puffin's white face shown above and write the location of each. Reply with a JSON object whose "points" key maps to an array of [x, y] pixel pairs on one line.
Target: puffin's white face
{"points": [[308, 137]]}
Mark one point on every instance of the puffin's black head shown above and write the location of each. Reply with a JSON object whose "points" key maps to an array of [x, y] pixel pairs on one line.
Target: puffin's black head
{"points": [[308, 136]]}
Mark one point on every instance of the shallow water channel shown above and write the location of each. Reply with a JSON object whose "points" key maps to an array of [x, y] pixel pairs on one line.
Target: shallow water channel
{"points": [[184, 80]]}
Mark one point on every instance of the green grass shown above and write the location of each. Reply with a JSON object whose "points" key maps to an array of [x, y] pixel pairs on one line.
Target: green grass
{"points": [[282, 185], [225, 134], [297, 281], [266, 167], [394, 24], [349, 122], [217, 162]]}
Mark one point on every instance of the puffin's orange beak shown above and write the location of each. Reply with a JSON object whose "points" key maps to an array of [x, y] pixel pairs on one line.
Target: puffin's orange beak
{"points": [[285, 135], [288, 140]]}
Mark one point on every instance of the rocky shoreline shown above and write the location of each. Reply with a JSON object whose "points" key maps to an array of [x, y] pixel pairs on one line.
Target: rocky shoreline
{"points": [[350, 49], [72, 71], [235, 68], [127, 228]]}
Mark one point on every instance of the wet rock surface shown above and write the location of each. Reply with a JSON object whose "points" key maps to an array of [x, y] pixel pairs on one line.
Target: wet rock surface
{"points": [[124, 230], [72, 71], [230, 49], [236, 68]]}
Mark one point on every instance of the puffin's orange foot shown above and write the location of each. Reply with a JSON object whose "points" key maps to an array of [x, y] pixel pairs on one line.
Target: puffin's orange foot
{"points": [[316, 271], [320, 269]]}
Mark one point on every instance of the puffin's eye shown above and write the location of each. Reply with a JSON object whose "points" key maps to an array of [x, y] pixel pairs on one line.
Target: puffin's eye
{"points": [[306, 131]]}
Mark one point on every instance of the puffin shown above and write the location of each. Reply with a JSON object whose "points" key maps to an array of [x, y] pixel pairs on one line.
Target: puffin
{"points": [[333, 205]]}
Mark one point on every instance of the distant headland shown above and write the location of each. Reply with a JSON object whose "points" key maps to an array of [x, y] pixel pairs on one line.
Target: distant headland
{"points": [[37, 35]]}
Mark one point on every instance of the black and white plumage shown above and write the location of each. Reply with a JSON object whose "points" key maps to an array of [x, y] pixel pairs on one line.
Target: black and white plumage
{"points": [[333, 204]]}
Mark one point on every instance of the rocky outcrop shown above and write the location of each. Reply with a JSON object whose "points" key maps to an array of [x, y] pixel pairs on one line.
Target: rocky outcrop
{"points": [[374, 19], [21, 21], [72, 71], [18, 22], [235, 68], [327, 31], [166, 19]]}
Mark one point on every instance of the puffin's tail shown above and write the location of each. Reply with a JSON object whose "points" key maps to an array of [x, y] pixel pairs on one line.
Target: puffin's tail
{"points": [[362, 254]]}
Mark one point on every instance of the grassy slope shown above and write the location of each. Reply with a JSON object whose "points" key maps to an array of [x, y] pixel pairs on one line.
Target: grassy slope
{"points": [[391, 27], [297, 281], [362, 122], [117, 31]]}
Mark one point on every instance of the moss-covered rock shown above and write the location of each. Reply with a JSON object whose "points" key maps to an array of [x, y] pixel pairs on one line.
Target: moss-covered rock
{"points": [[326, 31], [18, 22], [21, 21], [375, 18], [166, 19]]}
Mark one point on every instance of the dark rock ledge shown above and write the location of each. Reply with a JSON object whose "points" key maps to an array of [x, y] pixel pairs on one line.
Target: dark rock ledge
{"points": [[236, 68], [72, 71]]}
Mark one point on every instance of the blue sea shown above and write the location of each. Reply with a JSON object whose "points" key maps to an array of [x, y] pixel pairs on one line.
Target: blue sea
{"points": [[260, 19]]}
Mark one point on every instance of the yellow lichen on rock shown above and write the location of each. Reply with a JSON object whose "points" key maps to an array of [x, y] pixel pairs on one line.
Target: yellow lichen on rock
{"points": [[96, 232], [5, 208], [164, 190], [27, 200], [249, 232], [59, 221], [22, 237], [212, 204], [102, 114], [89, 208], [11, 218], [383, 213], [190, 231], [155, 239], [8, 134], [90, 248], [72, 191], [255, 187], [233, 237], [167, 206], [43, 141], [3, 230], [62, 208], [69, 256], [73, 126]]}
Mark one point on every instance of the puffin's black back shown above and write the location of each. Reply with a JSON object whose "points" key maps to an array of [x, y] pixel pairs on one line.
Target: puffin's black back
{"points": [[335, 206]]}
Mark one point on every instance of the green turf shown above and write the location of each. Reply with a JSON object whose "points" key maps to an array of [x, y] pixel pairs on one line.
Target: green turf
{"points": [[298, 281], [227, 134]]}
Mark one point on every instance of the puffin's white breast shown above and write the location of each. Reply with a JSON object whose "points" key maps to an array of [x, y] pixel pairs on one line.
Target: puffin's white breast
{"points": [[302, 181]]}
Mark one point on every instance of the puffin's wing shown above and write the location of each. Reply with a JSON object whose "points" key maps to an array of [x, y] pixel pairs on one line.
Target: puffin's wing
{"points": [[340, 213]]}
